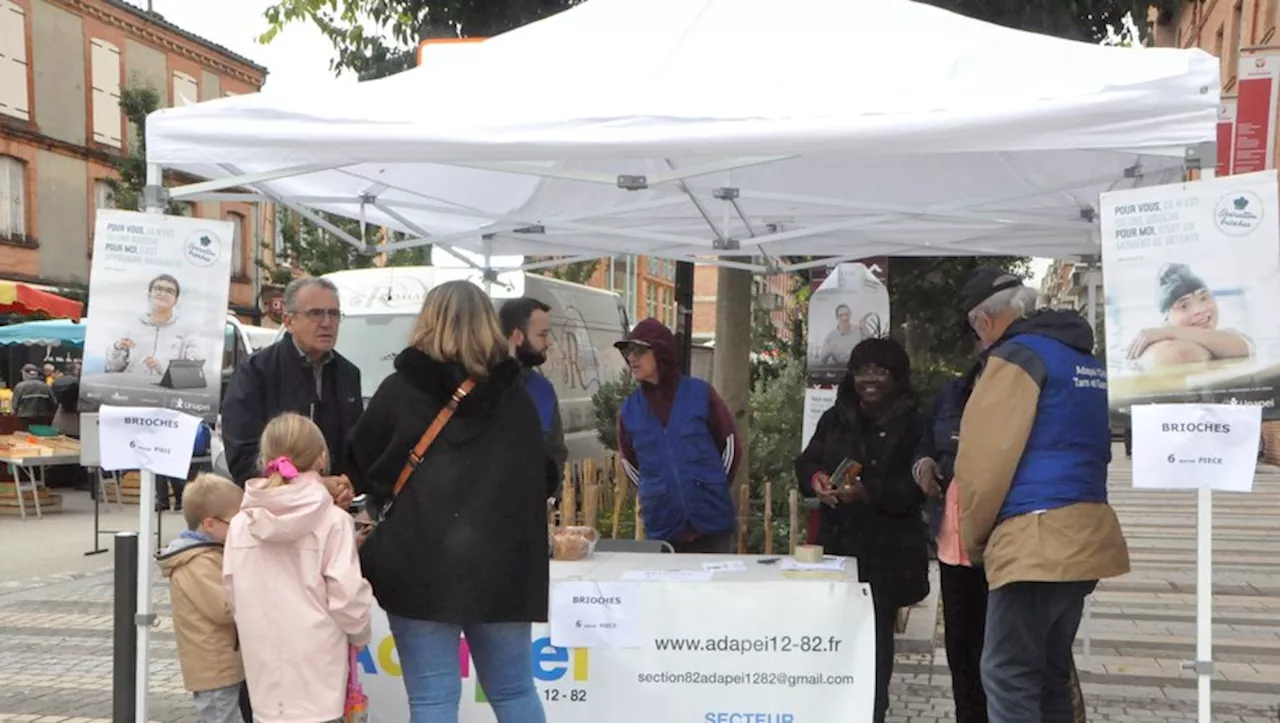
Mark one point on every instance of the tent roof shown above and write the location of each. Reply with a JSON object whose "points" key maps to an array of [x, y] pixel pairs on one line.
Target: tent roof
{"points": [[723, 127]]}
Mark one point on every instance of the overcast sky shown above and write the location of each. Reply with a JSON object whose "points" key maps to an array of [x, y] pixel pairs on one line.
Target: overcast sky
{"points": [[299, 55]]}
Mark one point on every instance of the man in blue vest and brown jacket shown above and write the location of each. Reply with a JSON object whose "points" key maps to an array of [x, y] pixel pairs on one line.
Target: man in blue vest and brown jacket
{"points": [[527, 324], [1035, 442], [679, 446]]}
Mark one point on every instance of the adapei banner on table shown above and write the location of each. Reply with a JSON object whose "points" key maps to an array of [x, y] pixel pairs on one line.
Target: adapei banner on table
{"points": [[158, 290], [1192, 281], [710, 652]]}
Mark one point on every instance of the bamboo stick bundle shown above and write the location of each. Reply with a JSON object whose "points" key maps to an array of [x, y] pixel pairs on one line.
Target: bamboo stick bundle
{"points": [[569, 511], [639, 520], [590, 494], [620, 484], [768, 517], [793, 518], [744, 517]]}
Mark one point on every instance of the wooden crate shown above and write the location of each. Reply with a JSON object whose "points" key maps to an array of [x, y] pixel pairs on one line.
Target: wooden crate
{"points": [[1271, 442], [130, 491], [50, 502]]}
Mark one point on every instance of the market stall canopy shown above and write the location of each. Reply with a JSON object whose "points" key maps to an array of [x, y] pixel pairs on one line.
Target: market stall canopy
{"points": [[19, 298], [723, 127], [54, 332]]}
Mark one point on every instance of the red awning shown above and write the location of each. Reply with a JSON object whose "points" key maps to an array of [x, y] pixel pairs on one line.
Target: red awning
{"points": [[23, 299]]}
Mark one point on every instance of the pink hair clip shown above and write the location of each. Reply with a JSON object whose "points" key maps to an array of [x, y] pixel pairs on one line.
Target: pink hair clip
{"points": [[284, 466]]}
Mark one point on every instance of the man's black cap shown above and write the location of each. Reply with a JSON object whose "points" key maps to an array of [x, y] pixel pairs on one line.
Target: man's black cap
{"points": [[984, 283]]}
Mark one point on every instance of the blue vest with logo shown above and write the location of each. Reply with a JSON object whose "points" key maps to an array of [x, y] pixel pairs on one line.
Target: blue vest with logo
{"points": [[544, 398], [682, 476], [1066, 456]]}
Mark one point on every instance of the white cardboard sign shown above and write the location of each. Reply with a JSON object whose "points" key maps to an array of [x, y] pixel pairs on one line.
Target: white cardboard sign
{"points": [[150, 438], [1194, 446]]}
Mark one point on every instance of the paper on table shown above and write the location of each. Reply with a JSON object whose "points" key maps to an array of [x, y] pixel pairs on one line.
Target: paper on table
{"points": [[1189, 446], [667, 575], [725, 566], [151, 438], [589, 614], [828, 563]]}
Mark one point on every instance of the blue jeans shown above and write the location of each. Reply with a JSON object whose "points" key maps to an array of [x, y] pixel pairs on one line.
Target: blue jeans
{"points": [[503, 656], [1026, 656]]}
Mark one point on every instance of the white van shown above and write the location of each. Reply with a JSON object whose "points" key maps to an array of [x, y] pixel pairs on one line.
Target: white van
{"points": [[380, 306]]}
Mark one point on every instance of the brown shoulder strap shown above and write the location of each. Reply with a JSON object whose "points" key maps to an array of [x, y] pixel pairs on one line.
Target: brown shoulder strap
{"points": [[433, 431]]}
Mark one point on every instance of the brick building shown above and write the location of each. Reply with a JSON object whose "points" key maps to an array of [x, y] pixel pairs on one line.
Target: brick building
{"points": [[772, 296], [63, 67], [647, 285]]}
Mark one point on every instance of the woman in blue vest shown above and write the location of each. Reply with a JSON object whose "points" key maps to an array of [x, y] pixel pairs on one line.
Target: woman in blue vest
{"points": [[679, 446], [878, 518]]}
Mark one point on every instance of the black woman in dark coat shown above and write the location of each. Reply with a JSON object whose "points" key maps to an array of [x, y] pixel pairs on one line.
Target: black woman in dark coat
{"points": [[879, 519]]}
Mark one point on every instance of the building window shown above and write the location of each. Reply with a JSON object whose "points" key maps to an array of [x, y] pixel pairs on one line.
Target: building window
{"points": [[13, 62], [668, 306], [107, 118], [185, 89], [13, 198], [651, 301], [237, 244], [186, 208], [104, 197]]}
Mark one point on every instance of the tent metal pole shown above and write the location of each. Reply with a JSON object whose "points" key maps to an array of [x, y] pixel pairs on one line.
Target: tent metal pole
{"points": [[238, 179]]}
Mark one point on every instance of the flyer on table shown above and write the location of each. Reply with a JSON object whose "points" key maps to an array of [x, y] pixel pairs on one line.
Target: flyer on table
{"points": [[1192, 279], [158, 287]]}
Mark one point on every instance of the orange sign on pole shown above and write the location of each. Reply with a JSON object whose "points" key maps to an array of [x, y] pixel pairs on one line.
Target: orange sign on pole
{"points": [[442, 41]]}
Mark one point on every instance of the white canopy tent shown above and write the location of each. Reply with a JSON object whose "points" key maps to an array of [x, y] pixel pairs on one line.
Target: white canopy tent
{"points": [[695, 128]]}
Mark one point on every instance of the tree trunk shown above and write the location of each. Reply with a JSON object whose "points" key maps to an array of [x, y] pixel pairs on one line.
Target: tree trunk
{"points": [[732, 372]]}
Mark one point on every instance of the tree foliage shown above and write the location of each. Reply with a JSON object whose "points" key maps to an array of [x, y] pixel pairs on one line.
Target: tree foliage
{"points": [[1085, 20], [315, 251], [404, 23], [579, 272], [924, 301], [136, 103]]}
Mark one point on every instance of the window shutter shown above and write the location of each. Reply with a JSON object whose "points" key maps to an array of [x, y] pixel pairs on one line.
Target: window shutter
{"points": [[13, 62]]}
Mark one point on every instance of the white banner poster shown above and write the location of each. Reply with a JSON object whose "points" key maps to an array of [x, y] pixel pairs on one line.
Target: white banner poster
{"points": [[816, 403], [1192, 275], [852, 304], [158, 290], [1190, 446], [710, 652]]}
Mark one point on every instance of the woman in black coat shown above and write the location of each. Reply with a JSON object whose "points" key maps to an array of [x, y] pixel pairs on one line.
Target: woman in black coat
{"points": [[876, 423], [463, 549]]}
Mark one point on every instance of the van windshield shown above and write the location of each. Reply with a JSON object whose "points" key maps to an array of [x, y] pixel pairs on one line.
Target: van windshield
{"points": [[372, 343]]}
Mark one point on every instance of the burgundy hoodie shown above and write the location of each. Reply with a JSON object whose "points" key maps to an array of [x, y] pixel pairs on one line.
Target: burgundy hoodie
{"points": [[661, 398]]}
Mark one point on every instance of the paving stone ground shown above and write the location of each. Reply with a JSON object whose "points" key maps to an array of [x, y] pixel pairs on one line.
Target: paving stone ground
{"points": [[55, 630]]}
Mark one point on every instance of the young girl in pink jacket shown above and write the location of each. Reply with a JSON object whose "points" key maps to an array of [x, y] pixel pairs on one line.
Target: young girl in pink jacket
{"points": [[293, 581]]}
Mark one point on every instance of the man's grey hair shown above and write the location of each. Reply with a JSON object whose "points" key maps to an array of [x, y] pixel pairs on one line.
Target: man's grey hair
{"points": [[296, 286], [1021, 300]]}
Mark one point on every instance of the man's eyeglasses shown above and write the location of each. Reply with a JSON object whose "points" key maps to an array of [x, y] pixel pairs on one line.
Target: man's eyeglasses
{"points": [[319, 315], [167, 290]]}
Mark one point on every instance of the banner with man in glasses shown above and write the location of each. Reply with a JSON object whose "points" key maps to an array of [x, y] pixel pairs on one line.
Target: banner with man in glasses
{"points": [[158, 290]]}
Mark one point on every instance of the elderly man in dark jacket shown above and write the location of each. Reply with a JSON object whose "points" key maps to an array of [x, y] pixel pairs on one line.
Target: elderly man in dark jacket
{"points": [[301, 373]]}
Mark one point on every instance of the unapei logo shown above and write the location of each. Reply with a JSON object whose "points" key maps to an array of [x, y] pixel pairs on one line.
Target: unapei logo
{"points": [[203, 248]]}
